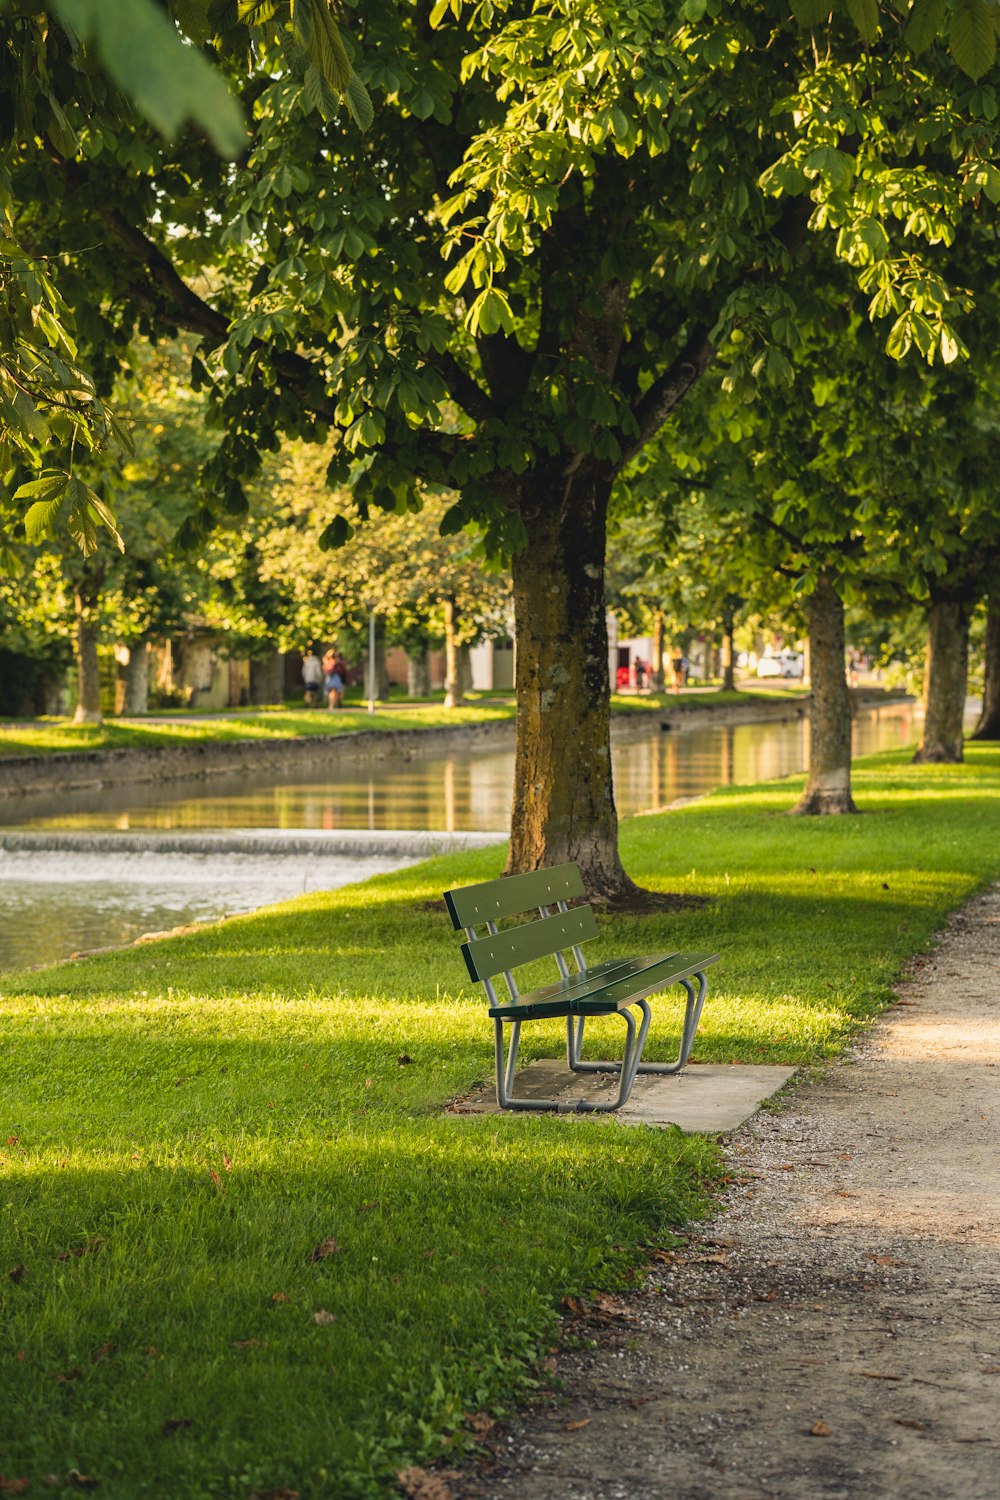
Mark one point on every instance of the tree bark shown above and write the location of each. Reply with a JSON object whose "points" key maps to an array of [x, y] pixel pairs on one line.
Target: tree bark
{"points": [[137, 679], [988, 727], [828, 784], [418, 677], [381, 665], [728, 655], [656, 665], [267, 675], [946, 674], [564, 808], [453, 695], [86, 599], [465, 668]]}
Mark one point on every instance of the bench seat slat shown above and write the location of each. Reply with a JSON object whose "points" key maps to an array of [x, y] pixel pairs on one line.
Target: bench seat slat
{"points": [[609, 992], [492, 899], [491, 955]]}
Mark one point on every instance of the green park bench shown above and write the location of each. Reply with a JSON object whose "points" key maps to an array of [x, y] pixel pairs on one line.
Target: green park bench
{"points": [[610, 988]]}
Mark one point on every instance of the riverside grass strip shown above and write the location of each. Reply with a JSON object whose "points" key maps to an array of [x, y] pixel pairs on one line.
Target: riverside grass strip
{"points": [[241, 1248], [49, 736]]}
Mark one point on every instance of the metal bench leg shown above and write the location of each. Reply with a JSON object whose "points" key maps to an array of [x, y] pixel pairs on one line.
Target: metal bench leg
{"points": [[692, 1015], [635, 1040]]}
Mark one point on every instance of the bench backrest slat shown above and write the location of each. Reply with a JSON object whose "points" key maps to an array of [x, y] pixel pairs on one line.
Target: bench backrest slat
{"points": [[503, 951], [492, 899]]}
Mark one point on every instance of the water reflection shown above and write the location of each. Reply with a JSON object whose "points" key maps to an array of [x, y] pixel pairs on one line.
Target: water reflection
{"points": [[464, 790]]}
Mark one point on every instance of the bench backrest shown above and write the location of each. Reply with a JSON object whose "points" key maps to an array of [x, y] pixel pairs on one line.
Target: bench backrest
{"points": [[489, 902]]}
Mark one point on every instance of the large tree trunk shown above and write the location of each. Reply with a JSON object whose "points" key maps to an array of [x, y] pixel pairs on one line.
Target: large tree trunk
{"points": [[453, 694], [86, 599], [988, 727], [946, 675], [137, 679], [564, 807], [828, 785]]}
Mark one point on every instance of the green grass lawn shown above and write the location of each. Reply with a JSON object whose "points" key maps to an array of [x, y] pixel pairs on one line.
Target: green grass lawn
{"points": [[44, 736], [187, 1122]]}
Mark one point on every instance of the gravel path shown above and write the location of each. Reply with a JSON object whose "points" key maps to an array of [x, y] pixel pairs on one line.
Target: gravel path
{"points": [[835, 1330]]}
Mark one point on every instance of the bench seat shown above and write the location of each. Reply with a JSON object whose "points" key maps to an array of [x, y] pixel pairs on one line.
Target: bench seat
{"points": [[609, 988], [606, 988]]}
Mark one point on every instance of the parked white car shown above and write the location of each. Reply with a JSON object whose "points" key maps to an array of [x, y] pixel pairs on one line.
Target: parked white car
{"points": [[783, 663]]}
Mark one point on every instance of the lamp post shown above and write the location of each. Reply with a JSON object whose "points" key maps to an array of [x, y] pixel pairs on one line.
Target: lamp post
{"points": [[371, 661]]}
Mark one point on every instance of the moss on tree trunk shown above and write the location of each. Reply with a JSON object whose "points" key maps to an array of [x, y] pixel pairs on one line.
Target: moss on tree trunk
{"points": [[828, 785], [945, 680]]}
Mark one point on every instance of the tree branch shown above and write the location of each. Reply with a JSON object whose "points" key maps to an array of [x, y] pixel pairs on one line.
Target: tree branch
{"points": [[670, 389], [465, 389]]}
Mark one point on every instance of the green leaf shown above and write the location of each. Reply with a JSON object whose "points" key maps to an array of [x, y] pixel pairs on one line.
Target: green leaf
{"points": [[490, 313], [925, 23], [48, 494], [452, 521], [86, 508], [336, 534], [257, 12], [811, 12], [169, 82], [864, 14], [974, 36]]}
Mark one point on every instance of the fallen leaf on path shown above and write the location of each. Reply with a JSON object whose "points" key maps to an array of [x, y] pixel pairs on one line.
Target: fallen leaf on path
{"points": [[887, 1260], [877, 1375], [323, 1249], [575, 1426], [992, 1370], [820, 1429], [638, 1401], [910, 1422], [324, 1318], [425, 1484], [843, 1193]]}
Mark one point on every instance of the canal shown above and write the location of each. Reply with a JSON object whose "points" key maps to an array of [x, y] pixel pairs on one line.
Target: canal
{"points": [[74, 896]]}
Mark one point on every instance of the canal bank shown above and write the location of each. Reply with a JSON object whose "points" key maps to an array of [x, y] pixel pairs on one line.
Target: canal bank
{"points": [[27, 775]]}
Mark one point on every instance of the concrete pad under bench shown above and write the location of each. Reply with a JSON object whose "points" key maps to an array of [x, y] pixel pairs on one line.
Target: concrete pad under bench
{"points": [[706, 1097]]}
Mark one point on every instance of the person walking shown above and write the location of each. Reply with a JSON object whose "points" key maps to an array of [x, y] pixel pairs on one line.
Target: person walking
{"points": [[335, 676], [312, 676]]}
